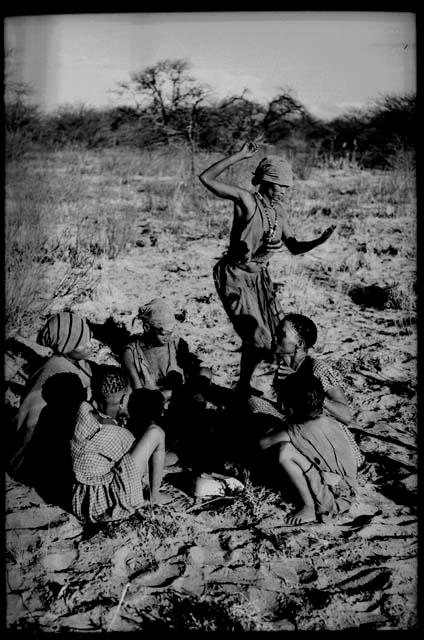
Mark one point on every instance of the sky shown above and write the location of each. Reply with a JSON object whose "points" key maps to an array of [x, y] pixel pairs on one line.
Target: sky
{"points": [[331, 61]]}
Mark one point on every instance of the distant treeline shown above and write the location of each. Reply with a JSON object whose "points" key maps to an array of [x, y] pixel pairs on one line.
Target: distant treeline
{"points": [[164, 104]]}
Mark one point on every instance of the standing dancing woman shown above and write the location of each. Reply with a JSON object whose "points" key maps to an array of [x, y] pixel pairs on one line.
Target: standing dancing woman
{"points": [[259, 228]]}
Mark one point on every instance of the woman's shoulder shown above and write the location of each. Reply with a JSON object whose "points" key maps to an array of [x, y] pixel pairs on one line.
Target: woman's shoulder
{"points": [[325, 371], [320, 365], [54, 364]]}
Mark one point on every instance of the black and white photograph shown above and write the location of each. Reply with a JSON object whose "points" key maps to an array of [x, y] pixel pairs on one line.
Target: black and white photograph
{"points": [[210, 364]]}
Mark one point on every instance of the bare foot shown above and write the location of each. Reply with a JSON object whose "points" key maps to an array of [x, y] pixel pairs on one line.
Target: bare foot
{"points": [[159, 499], [302, 516]]}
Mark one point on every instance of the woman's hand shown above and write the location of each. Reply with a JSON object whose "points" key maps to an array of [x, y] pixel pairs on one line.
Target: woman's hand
{"points": [[283, 371], [248, 149], [327, 233]]}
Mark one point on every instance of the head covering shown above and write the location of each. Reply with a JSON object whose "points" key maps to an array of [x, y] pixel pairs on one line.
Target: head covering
{"points": [[64, 332], [158, 314], [273, 169]]}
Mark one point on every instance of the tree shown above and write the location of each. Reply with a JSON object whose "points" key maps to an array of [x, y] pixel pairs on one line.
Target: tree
{"points": [[170, 94], [222, 124], [285, 114], [21, 117]]}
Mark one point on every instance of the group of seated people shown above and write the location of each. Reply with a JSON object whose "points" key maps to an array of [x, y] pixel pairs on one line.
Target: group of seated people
{"points": [[99, 434]]}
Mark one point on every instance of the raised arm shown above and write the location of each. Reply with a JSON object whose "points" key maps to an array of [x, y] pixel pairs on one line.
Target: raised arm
{"points": [[223, 189], [303, 246]]}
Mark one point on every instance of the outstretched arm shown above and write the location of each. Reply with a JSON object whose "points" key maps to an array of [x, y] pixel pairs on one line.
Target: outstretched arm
{"points": [[220, 188], [303, 246]]}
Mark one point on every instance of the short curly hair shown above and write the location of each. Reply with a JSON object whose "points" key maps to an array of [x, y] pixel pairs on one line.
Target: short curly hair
{"points": [[304, 327], [109, 379]]}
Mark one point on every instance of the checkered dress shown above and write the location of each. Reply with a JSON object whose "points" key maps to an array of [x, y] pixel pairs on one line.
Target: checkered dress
{"points": [[329, 379], [107, 485]]}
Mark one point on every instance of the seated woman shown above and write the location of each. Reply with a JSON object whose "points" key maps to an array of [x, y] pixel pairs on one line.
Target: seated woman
{"points": [[314, 452], [69, 337], [296, 334], [107, 460], [157, 358], [48, 460]]}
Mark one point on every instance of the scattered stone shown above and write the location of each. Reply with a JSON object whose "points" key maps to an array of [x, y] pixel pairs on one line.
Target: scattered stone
{"points": [[85, 621], [15, 609], [59, 560], [283, 625], [369, 417], [14, 579], [69, 530], [388, 402], [120, 568], [193, 582], [285, 570], [410, 482]]}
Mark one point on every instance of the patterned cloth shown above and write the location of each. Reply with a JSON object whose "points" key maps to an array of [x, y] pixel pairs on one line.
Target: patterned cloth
{"points": [[64, 332], [244, 284], [329, 379], [332, 476], [108, 485]]}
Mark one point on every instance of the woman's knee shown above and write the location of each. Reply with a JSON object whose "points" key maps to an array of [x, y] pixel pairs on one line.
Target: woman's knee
{"points": [[285, 453]]}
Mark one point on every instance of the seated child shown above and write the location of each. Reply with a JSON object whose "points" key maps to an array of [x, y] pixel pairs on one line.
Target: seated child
{"points": [[108, 461], [315, 453]]}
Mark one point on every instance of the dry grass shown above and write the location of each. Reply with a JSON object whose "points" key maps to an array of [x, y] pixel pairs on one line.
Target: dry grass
{"points": [[73, 208]]}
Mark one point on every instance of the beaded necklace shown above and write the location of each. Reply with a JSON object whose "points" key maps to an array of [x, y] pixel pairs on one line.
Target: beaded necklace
{"points": [[269, 235]]}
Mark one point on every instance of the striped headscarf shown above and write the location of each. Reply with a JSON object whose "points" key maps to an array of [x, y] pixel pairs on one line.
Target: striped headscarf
{"points": [[64, 332], [273, 169]]}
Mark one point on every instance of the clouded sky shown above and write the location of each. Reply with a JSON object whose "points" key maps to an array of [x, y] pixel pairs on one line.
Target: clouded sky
{"points": [[330, 60]]}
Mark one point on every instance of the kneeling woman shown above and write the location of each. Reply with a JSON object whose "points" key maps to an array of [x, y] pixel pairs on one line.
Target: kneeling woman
{"points": [[108, 462], [296, 334], [315, 454]]}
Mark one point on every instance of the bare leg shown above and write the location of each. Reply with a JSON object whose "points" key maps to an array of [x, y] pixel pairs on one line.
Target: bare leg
{"points": [[150, 451], [295, 465], [248, 362]]}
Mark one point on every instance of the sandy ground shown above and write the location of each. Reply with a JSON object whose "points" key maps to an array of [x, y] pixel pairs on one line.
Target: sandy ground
{"points": [[233, 564]]}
